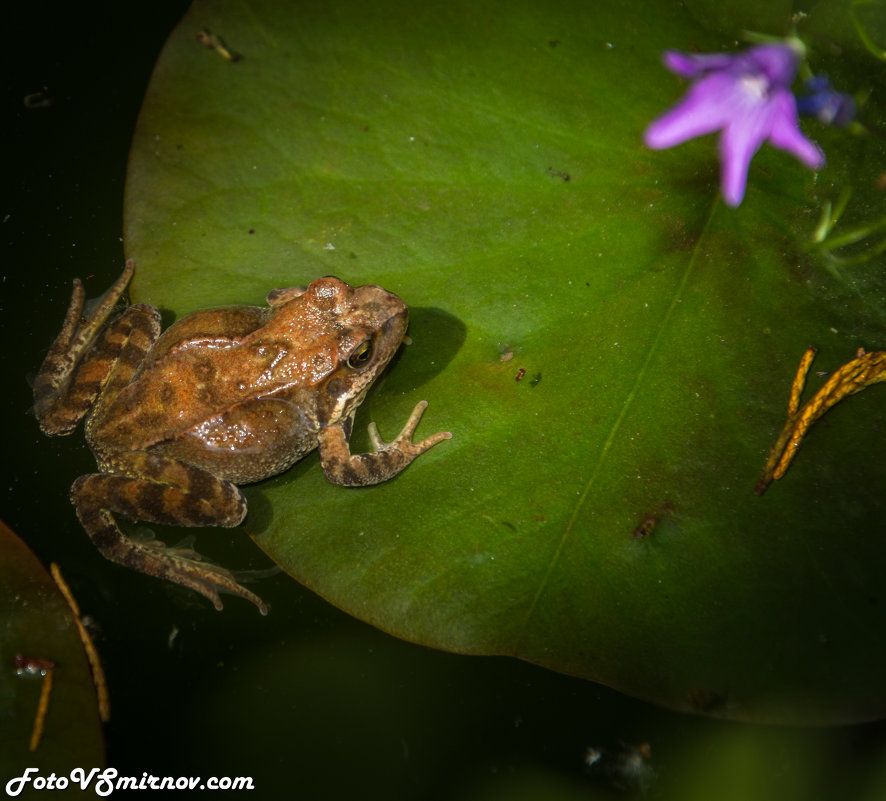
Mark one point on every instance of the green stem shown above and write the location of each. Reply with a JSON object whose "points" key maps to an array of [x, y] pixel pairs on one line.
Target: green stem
{"points": [[869, 43]]}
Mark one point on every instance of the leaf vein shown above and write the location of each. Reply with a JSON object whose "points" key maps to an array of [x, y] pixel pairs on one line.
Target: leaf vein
{"points": [[613, 431]]}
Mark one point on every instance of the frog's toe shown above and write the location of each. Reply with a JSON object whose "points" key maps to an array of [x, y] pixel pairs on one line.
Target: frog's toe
{"points": [[212, 579], [185, 566], [403, 441]]}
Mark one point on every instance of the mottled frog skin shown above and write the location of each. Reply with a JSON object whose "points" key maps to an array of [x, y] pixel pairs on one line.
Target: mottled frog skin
{"points": [[223, 397]]}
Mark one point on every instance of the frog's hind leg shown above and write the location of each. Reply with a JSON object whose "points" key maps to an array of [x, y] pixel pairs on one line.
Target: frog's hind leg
{"points": [[180, 495], [88, 356]]}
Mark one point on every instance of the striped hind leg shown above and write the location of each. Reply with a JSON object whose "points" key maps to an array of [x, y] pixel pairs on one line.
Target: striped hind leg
{"points": [[158, 489], [92, 356]]}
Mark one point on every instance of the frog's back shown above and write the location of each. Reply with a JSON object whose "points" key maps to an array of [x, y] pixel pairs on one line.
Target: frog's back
{"points": [[201, 328], [187, 378]]}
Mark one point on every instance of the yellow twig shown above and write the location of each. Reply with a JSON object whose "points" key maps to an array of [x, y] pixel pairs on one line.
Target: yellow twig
{"points": [[865, 369], [44, 668], [98, 673], [42, 708]]}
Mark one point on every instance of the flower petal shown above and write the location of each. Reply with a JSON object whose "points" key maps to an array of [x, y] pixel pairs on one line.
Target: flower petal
{"points": [[693, 65], [741, 139], [778, 62], [706, 107], [786, 134]]}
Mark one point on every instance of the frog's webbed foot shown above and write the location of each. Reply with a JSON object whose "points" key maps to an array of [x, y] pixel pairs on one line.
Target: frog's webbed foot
{"points": [[387, 459], [186, 567], [87, 356], [98, 496]]}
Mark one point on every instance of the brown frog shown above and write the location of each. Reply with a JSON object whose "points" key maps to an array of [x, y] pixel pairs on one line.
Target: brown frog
{"points": [[225, 396]]}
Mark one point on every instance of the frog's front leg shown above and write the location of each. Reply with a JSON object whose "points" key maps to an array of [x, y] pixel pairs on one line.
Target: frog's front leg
{"points": [[177, 494], [388, 458], [89, 358]]}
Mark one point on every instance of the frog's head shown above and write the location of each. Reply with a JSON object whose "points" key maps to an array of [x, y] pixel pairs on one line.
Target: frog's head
{"points": [[347, 335]]}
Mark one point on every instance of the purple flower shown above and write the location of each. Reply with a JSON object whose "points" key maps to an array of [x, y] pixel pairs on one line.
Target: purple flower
{"points": [[744, 95], [826, 104]]}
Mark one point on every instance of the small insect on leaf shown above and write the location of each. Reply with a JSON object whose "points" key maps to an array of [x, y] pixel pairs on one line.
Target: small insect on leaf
{"points": [[214, 42]]}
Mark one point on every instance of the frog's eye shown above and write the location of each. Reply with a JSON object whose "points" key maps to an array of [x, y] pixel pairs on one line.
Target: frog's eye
{"points": [[360, 355]]}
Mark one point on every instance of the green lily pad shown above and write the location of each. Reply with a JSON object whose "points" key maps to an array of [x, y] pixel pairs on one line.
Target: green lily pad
{"points": [[37, 624], [611, 347]]}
